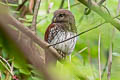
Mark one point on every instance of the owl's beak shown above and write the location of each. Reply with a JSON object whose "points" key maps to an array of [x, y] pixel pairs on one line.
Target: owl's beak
{"points": [[54, 19]]}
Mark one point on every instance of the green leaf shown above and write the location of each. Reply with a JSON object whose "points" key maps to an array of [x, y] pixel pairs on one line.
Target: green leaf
{"points": [[25, 71], [2, 68]]}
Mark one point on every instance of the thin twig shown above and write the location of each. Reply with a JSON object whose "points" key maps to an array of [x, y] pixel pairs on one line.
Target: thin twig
{"points": [[35, 15], [21, 5], [108, 53], [109, 63], [0, 75], [99, 56], [49, 7], [11, 72], [106, 9], [68, 4], [80, 51], [62, 3], [111, 48], [72, 5], [105, 64], [82, 32], [110, 56], [33, 26], [101, 2], [78, 34], [5, 66], [69, 9], [89, 54], [12, 67]]}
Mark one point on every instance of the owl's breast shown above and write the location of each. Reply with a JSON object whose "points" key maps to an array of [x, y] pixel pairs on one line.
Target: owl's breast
{"points": [[67, 46]]}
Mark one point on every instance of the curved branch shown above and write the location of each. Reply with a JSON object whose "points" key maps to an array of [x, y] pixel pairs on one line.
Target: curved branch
{"points": [[31, 35], [11, 36], [100, 11]]}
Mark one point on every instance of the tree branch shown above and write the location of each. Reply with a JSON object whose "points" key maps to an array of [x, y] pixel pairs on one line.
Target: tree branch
{"points": [[37, 5], [22, 48], [30, 34], [33, 26], [100, 11], [4, 16], [21, 5]]}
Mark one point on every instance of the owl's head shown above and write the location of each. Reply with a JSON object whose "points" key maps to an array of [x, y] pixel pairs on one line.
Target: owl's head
{"points": [[63, 15]]}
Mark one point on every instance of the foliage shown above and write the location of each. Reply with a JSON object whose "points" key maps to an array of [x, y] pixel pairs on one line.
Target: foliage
{"points": [[84, 66]]}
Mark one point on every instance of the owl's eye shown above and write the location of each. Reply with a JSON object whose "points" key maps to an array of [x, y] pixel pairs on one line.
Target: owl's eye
{"points": [[61, 15]]}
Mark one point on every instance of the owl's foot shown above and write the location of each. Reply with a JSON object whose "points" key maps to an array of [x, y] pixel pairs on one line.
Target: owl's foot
{"points": [[62, 54]]}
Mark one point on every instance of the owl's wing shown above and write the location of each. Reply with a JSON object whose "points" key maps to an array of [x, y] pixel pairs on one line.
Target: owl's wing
{"points": [[51, 32]]}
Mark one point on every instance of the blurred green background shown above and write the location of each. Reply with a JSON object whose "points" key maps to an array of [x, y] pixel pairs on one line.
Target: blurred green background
{"points": [[84, 66]]}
